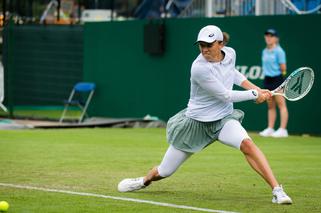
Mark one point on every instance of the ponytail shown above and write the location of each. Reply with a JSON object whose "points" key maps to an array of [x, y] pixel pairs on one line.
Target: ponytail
{"points": [[226, 38]]}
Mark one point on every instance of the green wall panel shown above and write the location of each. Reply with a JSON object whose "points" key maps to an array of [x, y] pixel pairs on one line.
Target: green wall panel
{"points": [[44, 63], [131, 83]]}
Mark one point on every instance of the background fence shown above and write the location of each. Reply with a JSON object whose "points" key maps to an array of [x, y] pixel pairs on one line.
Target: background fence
{"points": [[42, 63]]}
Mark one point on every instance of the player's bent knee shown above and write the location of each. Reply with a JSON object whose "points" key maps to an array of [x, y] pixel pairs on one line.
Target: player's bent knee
{"points": [[247, 146]]}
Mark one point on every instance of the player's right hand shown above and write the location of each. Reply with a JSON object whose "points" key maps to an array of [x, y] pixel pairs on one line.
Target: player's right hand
{"points": [[263, 95]]}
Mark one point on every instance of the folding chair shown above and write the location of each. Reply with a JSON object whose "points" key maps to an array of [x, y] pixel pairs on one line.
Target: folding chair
{"points": [[79, 88]]}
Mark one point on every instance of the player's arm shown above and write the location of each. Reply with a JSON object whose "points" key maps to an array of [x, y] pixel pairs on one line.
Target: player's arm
{"points": [[246, 84], [240, 80], [214, 87], [264, 94]]}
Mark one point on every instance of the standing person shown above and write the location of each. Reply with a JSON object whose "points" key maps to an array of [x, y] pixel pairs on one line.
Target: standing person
{"points": [[210, 116], [274, 68]]}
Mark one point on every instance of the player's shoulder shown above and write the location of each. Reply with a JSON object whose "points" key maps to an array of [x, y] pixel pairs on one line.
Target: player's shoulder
{"points": [[200, 61], [229, 51], [200, 65]]}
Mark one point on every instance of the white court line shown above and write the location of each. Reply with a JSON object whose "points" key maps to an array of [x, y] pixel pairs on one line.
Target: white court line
{"points": [[114, 198]]}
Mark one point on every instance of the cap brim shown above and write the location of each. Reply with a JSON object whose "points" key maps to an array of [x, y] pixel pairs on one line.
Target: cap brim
{"points": [[272, 34], [209, 42]]}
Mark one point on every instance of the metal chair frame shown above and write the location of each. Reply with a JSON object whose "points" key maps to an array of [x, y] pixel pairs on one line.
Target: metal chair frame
{"points": [[80, 87]]}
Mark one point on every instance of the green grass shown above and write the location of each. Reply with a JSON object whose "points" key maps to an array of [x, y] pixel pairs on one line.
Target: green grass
{"points": [[95, 160]]}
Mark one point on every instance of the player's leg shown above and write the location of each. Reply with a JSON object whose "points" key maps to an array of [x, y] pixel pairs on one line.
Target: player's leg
{"points": [[284, 116], [258, 161], [172, 160], [271, 118], [233, 134]]}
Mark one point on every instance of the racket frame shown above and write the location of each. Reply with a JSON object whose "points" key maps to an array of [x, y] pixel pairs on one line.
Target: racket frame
{"points": [[284, 84]]}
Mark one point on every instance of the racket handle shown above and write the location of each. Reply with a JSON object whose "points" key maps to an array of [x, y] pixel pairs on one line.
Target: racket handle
{"points": [[276, 93]]}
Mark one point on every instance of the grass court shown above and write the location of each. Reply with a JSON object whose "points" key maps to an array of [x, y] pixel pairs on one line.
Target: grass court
{"points": [[95, 160]]}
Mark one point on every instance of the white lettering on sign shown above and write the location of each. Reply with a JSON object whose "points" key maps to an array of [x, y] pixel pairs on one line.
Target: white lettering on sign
{"points": [[251, 72]]}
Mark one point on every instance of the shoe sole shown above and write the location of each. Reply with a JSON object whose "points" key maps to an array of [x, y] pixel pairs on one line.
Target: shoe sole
{"points": [[286, 202]]}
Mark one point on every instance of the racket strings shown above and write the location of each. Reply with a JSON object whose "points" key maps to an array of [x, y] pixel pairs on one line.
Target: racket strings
{"points": [[299, 84]]}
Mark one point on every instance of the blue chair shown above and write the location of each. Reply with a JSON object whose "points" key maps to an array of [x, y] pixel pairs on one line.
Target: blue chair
{"points": [[80, 88]]}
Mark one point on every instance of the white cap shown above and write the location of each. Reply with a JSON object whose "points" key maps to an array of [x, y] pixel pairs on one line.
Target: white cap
{"points": [[209, 34]]}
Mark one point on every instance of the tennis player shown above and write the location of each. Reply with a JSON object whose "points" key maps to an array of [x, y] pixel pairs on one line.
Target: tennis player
{"points": [[210, 116], [274, 68]]}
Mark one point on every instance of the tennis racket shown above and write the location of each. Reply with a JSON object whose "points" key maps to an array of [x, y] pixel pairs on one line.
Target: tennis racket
{"points": [[297, 85]]}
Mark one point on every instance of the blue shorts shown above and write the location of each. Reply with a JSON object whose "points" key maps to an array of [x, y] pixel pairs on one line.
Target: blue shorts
{"points": [[272, 83]]}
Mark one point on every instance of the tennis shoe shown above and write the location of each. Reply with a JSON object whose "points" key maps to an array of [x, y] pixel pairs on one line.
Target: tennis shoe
{"points": [[267, 132], [280, 133], [279, 196], [131, 184]]}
